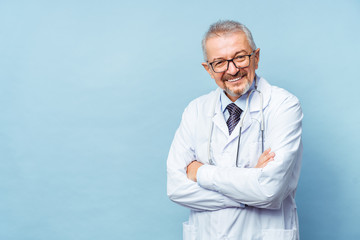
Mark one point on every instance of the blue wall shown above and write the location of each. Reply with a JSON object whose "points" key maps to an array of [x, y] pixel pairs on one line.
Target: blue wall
{"points": [[91, 93]]}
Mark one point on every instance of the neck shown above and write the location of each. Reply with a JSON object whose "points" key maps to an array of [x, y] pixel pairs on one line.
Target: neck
{"points": [[231, 97]]}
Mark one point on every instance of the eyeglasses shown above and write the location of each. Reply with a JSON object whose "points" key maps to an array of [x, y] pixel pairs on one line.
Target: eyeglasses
{"points": [[241, 61]]}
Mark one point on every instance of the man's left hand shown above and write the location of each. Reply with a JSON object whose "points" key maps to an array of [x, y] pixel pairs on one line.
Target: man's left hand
{"points": [[192, 169]]}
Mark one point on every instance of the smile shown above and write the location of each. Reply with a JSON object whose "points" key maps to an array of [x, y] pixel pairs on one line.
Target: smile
{"points": [[234, 80]]}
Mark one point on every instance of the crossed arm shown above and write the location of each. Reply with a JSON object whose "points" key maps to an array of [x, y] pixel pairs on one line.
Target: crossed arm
{"points": [[264, 186], [264, 159]]}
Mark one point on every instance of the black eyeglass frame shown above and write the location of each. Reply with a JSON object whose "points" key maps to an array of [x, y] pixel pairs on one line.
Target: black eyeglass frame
{"points": [[231, 60]]}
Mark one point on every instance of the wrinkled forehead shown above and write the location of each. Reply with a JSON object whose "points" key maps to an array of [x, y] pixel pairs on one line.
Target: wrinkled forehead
{"points": [[226, 45]]}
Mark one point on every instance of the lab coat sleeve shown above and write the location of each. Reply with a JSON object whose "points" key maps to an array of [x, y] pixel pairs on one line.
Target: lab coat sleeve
{"points": [[180, 189], [269, 186]]}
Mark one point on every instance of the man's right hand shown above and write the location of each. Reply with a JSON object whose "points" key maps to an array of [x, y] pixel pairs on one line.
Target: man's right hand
{"points": [[265, 158]]}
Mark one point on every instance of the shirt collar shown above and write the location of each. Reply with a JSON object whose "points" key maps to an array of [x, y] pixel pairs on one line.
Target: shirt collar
{"points": [[240, 102]]}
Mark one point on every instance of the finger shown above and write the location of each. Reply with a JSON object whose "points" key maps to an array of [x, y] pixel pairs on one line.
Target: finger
{"points": [[265, 163], [266, 152], [266, 155], [269, 160]]}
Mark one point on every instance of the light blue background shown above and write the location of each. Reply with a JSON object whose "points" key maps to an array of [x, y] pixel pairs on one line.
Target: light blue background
{"points": [[91, 93]]}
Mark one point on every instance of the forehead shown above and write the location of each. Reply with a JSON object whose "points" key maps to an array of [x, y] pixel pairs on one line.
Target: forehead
{"points": [[225, 46]]}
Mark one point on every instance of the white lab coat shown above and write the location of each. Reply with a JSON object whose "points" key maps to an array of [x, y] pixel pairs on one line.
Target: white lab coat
{"points": [[242, 203]]}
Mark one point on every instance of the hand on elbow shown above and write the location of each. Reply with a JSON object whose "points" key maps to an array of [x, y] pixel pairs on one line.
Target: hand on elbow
{"points": [[192, 169], [265, 158]]}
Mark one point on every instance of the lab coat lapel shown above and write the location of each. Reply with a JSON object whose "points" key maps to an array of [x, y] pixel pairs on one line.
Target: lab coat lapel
{"points": [[218, 117]]}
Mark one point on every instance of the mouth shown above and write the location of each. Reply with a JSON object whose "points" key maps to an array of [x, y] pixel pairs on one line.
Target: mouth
{"points": [[235, 79]]}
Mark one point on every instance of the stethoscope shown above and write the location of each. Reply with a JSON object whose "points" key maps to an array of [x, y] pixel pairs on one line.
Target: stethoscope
{"points": [[241, 122]]}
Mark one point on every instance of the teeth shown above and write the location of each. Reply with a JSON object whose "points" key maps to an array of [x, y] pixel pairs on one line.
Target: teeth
{"points": [[234, 80]]}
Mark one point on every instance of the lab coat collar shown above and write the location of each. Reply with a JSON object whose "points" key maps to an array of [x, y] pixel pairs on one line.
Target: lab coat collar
{"points": [[255, 100]]}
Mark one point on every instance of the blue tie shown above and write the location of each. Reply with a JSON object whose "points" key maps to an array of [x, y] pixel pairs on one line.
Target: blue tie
{"points": [[234, 118]]}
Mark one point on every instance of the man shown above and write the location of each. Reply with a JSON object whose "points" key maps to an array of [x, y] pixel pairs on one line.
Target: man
{"points": [[236, 190]]}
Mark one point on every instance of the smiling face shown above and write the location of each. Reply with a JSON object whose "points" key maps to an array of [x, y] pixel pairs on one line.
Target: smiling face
{"points": [[227, 46]]}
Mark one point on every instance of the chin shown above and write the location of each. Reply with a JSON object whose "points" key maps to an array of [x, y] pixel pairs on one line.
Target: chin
{"points": [[238, 92]]}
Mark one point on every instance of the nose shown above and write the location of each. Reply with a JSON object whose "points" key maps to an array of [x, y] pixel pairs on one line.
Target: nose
{"points": [[232, 69]]}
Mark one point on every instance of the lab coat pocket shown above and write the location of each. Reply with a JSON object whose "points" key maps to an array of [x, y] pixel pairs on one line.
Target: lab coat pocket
{"points": [[189, 231], [279, 234]]}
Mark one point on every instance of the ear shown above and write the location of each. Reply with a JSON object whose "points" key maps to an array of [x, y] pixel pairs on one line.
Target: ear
{"points": [[207, 68], [257, 58]]}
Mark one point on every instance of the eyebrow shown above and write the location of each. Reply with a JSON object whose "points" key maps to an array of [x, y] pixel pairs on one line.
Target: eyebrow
{"points": [[220, 58]]}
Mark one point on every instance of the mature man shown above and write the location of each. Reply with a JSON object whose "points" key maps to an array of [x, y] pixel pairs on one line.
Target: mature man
{"points": [[234, 188]]}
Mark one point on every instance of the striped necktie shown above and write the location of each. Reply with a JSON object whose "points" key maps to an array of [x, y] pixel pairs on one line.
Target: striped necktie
{"points": [[234, 118]]}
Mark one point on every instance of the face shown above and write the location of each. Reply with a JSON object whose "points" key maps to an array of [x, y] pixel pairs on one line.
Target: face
{"points": [[234, 81]]}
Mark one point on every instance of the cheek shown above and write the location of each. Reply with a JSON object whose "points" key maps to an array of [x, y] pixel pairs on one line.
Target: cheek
{"points": [[217, 76], [219, 82]]}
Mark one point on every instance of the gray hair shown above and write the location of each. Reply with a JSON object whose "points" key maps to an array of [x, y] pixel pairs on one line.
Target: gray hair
{"points": [[224, 27]]}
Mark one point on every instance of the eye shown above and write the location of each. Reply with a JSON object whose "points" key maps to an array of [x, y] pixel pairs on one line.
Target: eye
{"points": [[219, 63], [240, 58]]}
